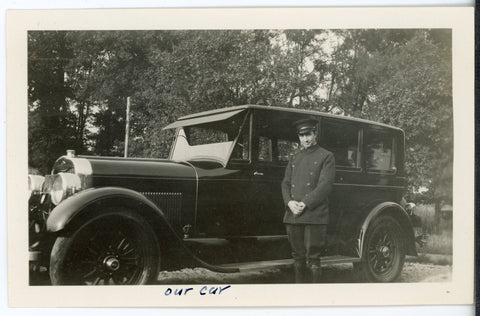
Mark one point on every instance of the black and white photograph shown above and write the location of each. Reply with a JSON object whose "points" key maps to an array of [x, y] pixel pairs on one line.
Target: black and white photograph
{"points": [[214, 160]]}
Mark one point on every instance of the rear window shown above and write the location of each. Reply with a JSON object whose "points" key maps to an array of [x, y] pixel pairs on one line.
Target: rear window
{"points": [[343, 141], [380, 149]]}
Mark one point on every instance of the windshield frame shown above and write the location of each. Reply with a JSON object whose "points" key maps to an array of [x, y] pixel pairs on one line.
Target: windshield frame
{"points": [[180, 133]]}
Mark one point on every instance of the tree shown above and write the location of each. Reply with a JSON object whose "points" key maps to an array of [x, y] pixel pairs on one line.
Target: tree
{"points": [[49, 118], [110, 66], [353, 68], [293, 74], [415, 93], [203, 70]]}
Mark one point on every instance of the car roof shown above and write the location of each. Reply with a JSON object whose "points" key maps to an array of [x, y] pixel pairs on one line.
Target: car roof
{"points": [[202, 115]]}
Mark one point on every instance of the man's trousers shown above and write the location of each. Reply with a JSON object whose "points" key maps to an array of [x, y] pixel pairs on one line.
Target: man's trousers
{"points": [[307, 242]]}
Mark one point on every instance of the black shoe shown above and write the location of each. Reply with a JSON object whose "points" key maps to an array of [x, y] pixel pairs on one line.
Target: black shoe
{"points": [[299, 268], [315, 272]]}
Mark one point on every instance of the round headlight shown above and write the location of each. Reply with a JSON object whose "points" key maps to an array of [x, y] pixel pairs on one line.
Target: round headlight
{"points": [[35, 184], [64, 185]]}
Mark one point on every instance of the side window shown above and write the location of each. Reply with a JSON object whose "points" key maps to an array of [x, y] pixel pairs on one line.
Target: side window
{"points": [[342, 141], [285, 149], [275, 150], [380, 151], [264, 149]]}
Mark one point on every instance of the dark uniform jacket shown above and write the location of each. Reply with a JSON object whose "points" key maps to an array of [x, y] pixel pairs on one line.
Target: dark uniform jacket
{"points": [[309, 178]]}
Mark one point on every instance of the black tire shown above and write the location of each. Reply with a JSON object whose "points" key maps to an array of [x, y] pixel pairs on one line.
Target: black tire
{"points": [[114, 248], [383, 251]]}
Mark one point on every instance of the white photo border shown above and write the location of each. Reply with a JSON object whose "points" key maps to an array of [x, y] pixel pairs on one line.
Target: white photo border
{"points": [[459, 19]]}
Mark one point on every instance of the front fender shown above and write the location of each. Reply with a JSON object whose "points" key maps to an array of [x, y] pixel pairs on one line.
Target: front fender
{"points": [[70, 212], [71, 208], [395, 210]]}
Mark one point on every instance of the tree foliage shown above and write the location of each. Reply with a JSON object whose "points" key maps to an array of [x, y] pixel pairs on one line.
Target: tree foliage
{"points": [[78, 83], [49, 117], [415, 93]]}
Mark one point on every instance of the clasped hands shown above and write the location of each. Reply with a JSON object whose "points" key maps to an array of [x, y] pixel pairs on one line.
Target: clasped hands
{"points": [[296, 207]]}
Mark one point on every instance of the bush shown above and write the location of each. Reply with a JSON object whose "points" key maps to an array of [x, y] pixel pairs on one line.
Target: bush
{"points": [[427, 213], [440, 243]]}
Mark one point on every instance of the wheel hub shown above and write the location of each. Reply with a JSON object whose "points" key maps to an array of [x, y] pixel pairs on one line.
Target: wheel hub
{"points": [[111, 263], [384, 251]]}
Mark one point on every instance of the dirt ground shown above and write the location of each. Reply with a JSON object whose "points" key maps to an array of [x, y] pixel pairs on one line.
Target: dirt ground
{"points": [[341, 273]]}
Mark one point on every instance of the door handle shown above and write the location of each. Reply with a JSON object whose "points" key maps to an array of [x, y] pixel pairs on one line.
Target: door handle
{"points": [[256, 173]]}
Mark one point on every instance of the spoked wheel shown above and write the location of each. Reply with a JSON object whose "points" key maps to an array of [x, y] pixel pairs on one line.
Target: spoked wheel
{"points": [[109, 250], [384, 251]]}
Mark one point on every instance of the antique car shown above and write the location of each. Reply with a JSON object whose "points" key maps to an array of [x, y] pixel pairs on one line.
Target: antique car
{"points": [[216, 202]]}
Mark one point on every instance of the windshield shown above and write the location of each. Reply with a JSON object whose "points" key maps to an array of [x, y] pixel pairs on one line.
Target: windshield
{"points": [[208, 142]]}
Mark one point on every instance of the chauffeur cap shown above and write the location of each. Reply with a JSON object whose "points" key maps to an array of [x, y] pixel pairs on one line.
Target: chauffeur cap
{"points": [[305, 125]]}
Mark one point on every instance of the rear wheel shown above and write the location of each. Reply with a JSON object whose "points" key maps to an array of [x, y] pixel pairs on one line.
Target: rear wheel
{"points": [[111, 249], [383, 251]]}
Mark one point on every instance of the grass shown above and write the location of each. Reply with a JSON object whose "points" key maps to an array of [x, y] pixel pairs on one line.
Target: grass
{"points": [[437, 242]]}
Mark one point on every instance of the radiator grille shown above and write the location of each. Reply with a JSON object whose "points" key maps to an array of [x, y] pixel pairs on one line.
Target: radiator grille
{"points": [[170, 203]]}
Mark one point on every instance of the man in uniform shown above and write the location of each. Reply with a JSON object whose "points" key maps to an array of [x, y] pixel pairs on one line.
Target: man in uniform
{"points": [[308, 181]]}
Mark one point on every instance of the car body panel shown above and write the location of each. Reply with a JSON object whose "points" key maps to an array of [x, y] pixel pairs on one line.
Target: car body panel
{"points": [[62, 215]]}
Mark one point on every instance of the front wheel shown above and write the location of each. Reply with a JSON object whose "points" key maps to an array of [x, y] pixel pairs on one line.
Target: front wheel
{"points": [[383, 251], [111, 249]]}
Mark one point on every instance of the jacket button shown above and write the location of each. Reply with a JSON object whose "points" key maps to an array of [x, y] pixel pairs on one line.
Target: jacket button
{"points": [[293, 185], [293, 166], [315, 163], [308, 184]]}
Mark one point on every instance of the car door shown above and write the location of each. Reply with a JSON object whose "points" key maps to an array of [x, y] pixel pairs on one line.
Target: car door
{"points": [[246, 200], [223, 193], [349, 195], [270, 158]]}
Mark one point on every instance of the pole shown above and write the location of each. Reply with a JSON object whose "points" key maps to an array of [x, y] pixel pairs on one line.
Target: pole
{"points": [[127, 127]]}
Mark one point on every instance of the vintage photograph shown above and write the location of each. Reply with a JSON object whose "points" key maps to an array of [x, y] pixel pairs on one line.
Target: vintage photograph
{"points": [[196, 160], [165, 150]]}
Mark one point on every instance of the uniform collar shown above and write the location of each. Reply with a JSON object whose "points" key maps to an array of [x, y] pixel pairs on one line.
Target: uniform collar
{"points": [[311, 148]]}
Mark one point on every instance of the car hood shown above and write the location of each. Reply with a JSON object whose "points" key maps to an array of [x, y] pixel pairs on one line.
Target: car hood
{"points": [[145, 168], [98, 166]]}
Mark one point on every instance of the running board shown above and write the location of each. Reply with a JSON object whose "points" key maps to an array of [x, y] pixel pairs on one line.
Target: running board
{"points": [[259, 265]]}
